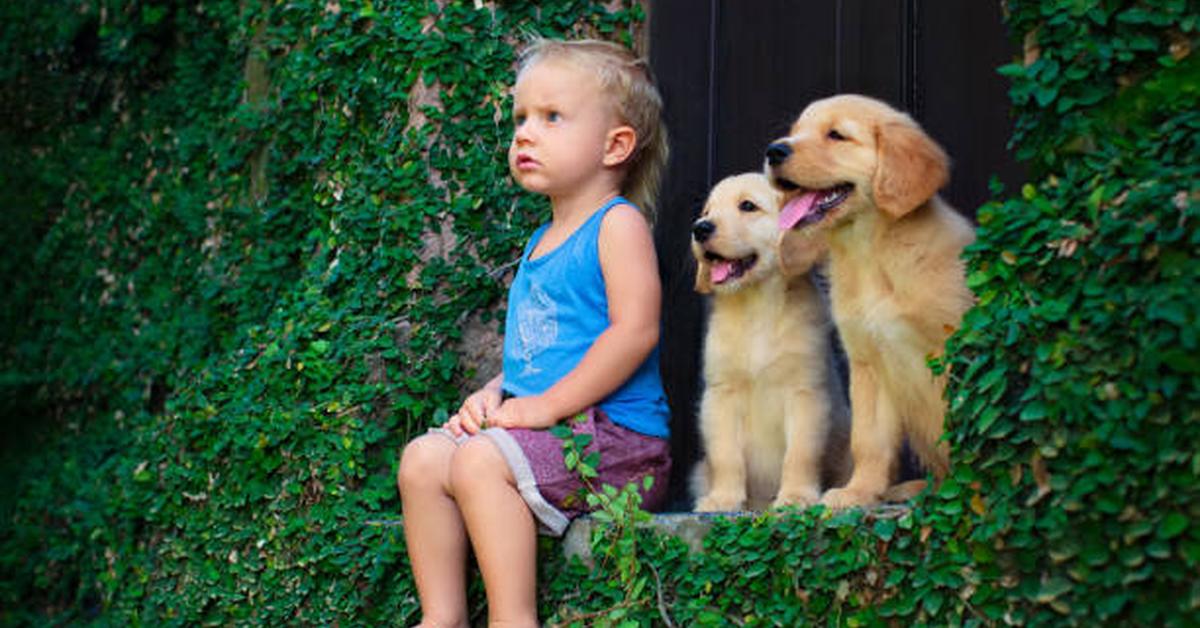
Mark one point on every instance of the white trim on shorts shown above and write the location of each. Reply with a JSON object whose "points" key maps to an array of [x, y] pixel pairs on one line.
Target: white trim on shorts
{"points": [[551, 521]]}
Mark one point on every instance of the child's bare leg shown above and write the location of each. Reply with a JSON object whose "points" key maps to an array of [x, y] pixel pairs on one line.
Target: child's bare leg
{"points": [[433, 530], [502, 531]]}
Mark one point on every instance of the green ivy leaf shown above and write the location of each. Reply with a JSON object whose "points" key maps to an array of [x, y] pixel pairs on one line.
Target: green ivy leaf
{"points": [[1172, 525]]}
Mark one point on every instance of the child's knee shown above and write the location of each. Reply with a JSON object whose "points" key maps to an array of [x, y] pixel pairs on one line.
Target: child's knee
{"points": [[425, 461], [476, 461]]}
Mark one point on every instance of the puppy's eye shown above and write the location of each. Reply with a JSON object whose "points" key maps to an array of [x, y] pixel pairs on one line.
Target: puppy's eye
{"points": [[747, 206], [835, 136]]}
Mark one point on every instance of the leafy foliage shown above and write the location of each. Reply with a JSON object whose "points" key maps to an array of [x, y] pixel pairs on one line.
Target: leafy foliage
{"points": [[247, 238], [615, 540], [226, 350], [1075, 397]]}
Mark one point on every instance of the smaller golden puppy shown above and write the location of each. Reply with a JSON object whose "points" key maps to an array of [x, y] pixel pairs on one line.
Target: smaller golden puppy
{"points": [[863, 178], [771, 414]]}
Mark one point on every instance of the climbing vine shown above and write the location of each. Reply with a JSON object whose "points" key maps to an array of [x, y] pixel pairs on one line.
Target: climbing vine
{"points": [[251, 243], [251, 247]]}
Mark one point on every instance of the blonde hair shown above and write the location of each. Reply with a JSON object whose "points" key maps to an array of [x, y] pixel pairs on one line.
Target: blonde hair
{"points": [[626, 81]]}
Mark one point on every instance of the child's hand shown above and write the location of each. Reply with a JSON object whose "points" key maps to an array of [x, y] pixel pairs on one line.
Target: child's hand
{"points": [[475, 413], [528, 412]]}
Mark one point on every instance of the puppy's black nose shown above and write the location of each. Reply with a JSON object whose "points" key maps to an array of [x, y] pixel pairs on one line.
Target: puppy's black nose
{"points": [[778, 153], [703, 230]]}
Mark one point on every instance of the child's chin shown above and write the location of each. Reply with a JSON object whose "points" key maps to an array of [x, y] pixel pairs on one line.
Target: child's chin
{"points": [[532, 184]]}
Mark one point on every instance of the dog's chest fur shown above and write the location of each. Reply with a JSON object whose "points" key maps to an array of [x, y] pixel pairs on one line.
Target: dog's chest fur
{"points": [[901, 286], [864, 304], [758, 334]]}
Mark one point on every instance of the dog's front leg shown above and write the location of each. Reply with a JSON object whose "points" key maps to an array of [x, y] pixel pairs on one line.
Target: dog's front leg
{"points": [[806, 426], [721, 416], [875, 438]]}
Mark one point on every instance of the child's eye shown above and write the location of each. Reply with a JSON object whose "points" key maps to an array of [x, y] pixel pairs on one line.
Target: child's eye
{"points": [[553, 116], [518, 120]]}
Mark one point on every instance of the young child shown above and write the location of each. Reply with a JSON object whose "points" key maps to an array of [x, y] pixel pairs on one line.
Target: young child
{"points": [[581, 336]]}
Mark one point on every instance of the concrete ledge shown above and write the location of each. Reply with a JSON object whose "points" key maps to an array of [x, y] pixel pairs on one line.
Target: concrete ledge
{"points": [[690, 527]]}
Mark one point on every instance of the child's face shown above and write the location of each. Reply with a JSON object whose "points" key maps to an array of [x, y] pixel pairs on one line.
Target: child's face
{"points": [[561, 122]]}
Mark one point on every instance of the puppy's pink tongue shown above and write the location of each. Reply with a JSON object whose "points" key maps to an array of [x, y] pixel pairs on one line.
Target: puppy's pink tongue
{"points": [[796, 209], [721, 271]]}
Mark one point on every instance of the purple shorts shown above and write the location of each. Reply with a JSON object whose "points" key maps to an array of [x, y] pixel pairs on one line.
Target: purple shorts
{"points": [[553, 493]]}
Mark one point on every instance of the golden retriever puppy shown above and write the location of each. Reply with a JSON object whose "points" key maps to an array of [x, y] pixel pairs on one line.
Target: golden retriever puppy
{"points": [[767, 415], [863, 178]]}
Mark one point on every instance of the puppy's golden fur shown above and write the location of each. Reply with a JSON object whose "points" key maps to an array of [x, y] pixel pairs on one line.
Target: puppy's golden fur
{"points": [[863, 177], [767, 417]]}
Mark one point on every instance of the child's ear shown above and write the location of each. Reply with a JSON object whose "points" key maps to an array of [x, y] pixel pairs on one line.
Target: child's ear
{"points": [[619, 145]]}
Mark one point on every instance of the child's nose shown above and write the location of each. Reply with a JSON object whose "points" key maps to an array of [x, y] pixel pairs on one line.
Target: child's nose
{"points": [[522, 134]]}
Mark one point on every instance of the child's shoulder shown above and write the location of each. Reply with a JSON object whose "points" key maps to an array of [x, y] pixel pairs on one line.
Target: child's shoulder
{"points": [[625, 235], [623, 216]]}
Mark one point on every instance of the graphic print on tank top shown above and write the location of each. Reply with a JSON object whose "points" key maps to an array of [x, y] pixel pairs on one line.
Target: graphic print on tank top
{"points": [[537, 327]]}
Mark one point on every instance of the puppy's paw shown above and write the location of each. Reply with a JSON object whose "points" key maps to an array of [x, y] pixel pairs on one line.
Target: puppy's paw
{"points": [[721, 502], [802, 497], [902, 492], [842, 498]]}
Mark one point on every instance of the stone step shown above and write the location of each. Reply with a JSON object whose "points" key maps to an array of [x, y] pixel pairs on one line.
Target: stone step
{"points": [[690, 527]]}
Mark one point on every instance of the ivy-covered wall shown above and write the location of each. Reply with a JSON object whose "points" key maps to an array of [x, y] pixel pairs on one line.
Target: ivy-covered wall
{"points": [[248, 244]]}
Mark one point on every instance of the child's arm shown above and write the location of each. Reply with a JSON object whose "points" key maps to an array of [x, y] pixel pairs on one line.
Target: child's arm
{"points": [[630, 269], [476, 408]]}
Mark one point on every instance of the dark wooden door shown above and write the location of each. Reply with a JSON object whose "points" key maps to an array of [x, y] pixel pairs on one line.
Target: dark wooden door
{"points": [[735, 73]]}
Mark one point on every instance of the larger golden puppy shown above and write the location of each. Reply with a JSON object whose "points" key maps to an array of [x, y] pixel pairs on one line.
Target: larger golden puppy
{"points": [[864, 177], [768, 417]]}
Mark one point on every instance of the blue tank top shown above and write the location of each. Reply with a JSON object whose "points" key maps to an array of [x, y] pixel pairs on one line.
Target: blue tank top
{"points": [[557, 307]]}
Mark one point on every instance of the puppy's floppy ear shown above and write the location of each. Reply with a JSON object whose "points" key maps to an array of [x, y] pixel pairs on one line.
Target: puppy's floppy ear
{"points": [[800, 250], [910, 168], [703, 275]]}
